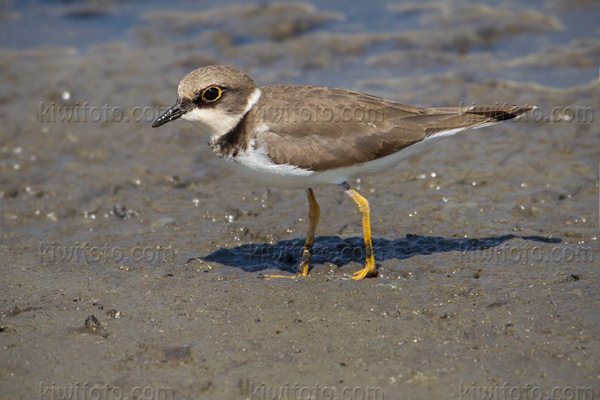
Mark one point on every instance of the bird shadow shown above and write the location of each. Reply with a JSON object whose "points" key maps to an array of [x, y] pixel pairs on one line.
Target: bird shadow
{"points": [[285, 255]]}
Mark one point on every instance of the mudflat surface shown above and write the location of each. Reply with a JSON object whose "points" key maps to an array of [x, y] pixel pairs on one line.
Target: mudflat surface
{"points": [[131, 257]]}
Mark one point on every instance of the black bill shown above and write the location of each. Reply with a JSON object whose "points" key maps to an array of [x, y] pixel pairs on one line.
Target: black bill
{"points": [[172, 113]]}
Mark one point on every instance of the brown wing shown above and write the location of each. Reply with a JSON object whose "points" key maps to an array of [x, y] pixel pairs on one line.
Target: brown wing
{"points": [[331, 128], [319, 128]]}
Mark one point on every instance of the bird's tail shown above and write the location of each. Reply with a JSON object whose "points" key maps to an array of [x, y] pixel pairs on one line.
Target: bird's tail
{"points": [[449, 120]]}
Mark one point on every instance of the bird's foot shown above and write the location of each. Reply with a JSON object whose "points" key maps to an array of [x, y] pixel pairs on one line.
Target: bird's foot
{"points": [[367, 271]]}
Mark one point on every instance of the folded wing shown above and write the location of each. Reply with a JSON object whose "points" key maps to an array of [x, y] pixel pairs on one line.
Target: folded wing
{"points": [[330, 128]]}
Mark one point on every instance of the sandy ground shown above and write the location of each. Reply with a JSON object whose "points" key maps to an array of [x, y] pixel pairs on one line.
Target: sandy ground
{"points": [[131, 257]]}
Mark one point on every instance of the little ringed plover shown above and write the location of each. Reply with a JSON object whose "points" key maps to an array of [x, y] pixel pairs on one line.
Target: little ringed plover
{"points": [[293, 137]]}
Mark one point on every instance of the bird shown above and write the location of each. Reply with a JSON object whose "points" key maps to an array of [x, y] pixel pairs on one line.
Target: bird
{"points": [[302, 137]]}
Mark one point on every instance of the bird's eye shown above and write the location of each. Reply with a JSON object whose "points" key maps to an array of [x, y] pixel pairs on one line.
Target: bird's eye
{"points": [[211, 94]]}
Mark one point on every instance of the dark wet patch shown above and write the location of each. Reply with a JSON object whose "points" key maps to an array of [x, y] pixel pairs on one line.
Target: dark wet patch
{"points": [[159, 357], [176, 355], [16, 310], [86, 11], [498, 303]]}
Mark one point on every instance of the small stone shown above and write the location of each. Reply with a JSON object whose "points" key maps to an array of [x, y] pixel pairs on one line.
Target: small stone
{"points": [[112, 313], [92, 323]]}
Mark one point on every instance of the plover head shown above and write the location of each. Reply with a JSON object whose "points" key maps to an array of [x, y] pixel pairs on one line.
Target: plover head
{"points": [[216, 98]]}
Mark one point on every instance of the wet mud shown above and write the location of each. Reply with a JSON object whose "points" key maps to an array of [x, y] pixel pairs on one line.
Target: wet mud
{"points": [[133, 258]]}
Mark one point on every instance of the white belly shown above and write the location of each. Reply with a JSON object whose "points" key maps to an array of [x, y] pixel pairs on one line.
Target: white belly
{"points": [[256, 165]]}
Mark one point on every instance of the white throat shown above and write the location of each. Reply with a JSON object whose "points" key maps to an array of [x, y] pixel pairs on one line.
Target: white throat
{"points": [[215, 122]]}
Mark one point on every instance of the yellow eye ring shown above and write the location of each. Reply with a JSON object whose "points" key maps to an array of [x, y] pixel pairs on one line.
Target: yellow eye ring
{"points": [[211, 94]]}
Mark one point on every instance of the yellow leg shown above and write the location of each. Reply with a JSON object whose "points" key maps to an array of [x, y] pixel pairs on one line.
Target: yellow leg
{"points": [[313, 220], [363, 207]]}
